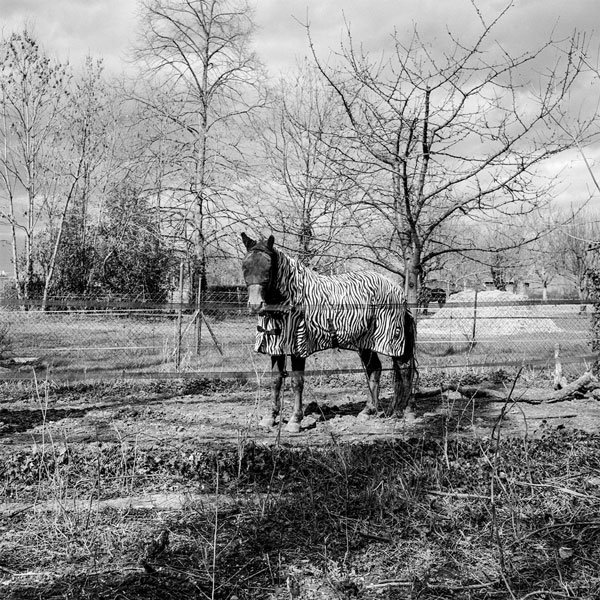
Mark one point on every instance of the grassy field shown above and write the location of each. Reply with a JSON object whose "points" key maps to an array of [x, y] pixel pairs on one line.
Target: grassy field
{"points": [[135, 341]]}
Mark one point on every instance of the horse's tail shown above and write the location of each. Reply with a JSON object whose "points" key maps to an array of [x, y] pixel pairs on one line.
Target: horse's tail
{"points": [[410, 337], [409, 353]]}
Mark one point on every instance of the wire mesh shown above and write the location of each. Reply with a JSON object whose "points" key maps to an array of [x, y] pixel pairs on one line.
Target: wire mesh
{"points": [[171, 340]]}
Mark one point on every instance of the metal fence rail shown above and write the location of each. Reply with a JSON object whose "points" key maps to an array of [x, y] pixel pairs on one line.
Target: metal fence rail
{"points": [[159, 340]]}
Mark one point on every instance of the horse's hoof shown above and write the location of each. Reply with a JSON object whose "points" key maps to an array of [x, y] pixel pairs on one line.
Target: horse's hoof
{"points": [[409, 416], [267, 422], [366, 413], [293, 427]]}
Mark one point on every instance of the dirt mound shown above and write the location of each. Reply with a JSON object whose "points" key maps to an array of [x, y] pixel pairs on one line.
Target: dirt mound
{"points": [[496, 296], [497, 313]]}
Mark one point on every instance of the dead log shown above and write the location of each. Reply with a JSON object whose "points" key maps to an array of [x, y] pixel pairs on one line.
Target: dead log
{"points": [[571, 391], [580, 386]]}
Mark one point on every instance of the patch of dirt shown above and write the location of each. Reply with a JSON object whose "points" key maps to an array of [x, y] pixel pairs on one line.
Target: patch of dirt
{"points": [[216, 416]]}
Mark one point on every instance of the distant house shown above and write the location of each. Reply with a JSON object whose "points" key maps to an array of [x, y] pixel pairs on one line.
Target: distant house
{"points": [[518, 287]]}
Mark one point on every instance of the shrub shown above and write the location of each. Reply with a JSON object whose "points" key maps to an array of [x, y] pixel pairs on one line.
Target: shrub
{"points": [[593, 288], [5, 341]]}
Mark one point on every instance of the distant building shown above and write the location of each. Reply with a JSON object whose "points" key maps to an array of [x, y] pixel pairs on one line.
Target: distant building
{"points": [[518, 287]]}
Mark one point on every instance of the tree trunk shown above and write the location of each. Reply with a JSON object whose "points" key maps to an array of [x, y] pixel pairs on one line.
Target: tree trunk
{"points": [[15, 257], [55, 249], [28, 271], [412, 271]]}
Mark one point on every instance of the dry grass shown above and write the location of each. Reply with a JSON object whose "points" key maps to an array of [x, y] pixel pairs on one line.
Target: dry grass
{"points": [[428, 517], [135, 341], [351, 520]]}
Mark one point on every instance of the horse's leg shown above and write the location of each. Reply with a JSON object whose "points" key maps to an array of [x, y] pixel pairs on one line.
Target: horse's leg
{"points": [[277, 373], [404, 398], [372, 366], [297, 383]]}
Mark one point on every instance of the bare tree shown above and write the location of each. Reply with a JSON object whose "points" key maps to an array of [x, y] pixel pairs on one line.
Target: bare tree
{"points": [[443, 135], [545, 258], [309, 195], [203, 80], [505, 249], [75, 161], [33, 94], [571, 247]]}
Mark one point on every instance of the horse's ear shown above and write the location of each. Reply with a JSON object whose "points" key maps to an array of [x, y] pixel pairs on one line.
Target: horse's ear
{"points": [[270, 242], [248, 242]]}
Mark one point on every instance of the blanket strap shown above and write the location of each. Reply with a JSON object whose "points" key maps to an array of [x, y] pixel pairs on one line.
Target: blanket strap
{"points": [[276, 331], [333, 334]]}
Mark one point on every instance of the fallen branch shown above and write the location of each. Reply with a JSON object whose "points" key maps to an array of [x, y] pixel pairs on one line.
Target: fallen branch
{"points": [[387, 583], [571, 391], [471, 391], [376, 538], [390, 583], [576, 389], [458, 495], [558, 488], [586, 382]]}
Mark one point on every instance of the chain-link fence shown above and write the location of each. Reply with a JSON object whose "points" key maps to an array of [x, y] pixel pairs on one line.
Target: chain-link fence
{"points": [[169, 340]]}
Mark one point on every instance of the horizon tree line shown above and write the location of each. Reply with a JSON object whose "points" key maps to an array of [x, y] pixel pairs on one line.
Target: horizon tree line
{"points": [[411, 163]]}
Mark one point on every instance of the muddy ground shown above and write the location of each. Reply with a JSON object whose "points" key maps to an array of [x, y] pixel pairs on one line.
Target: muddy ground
{"points": [[214, 413]]}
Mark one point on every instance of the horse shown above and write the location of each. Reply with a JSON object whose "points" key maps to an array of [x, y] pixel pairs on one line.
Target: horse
{"points": [[301, 312]]}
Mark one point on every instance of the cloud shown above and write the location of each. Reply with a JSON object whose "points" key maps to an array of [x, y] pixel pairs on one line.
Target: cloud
{"points": [[528, 24], [71, 29]]}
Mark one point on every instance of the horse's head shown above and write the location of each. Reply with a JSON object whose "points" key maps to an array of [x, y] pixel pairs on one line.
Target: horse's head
{"points": [[259, 267]]}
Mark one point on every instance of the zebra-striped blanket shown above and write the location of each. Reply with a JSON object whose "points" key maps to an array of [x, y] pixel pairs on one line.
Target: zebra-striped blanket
{"points": [[353, 311]]}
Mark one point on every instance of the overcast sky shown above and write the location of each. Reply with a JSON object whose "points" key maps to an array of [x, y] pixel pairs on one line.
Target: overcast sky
{"points": [[106, 28]]}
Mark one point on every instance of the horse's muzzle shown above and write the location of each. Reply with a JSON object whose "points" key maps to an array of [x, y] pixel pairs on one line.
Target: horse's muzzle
{"points": [[256, 309], [256, 300]]}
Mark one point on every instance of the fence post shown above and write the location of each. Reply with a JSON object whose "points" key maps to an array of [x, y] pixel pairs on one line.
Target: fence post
{"points": [[179, 318], [560, 381], [474, 320], [199, 314]]}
